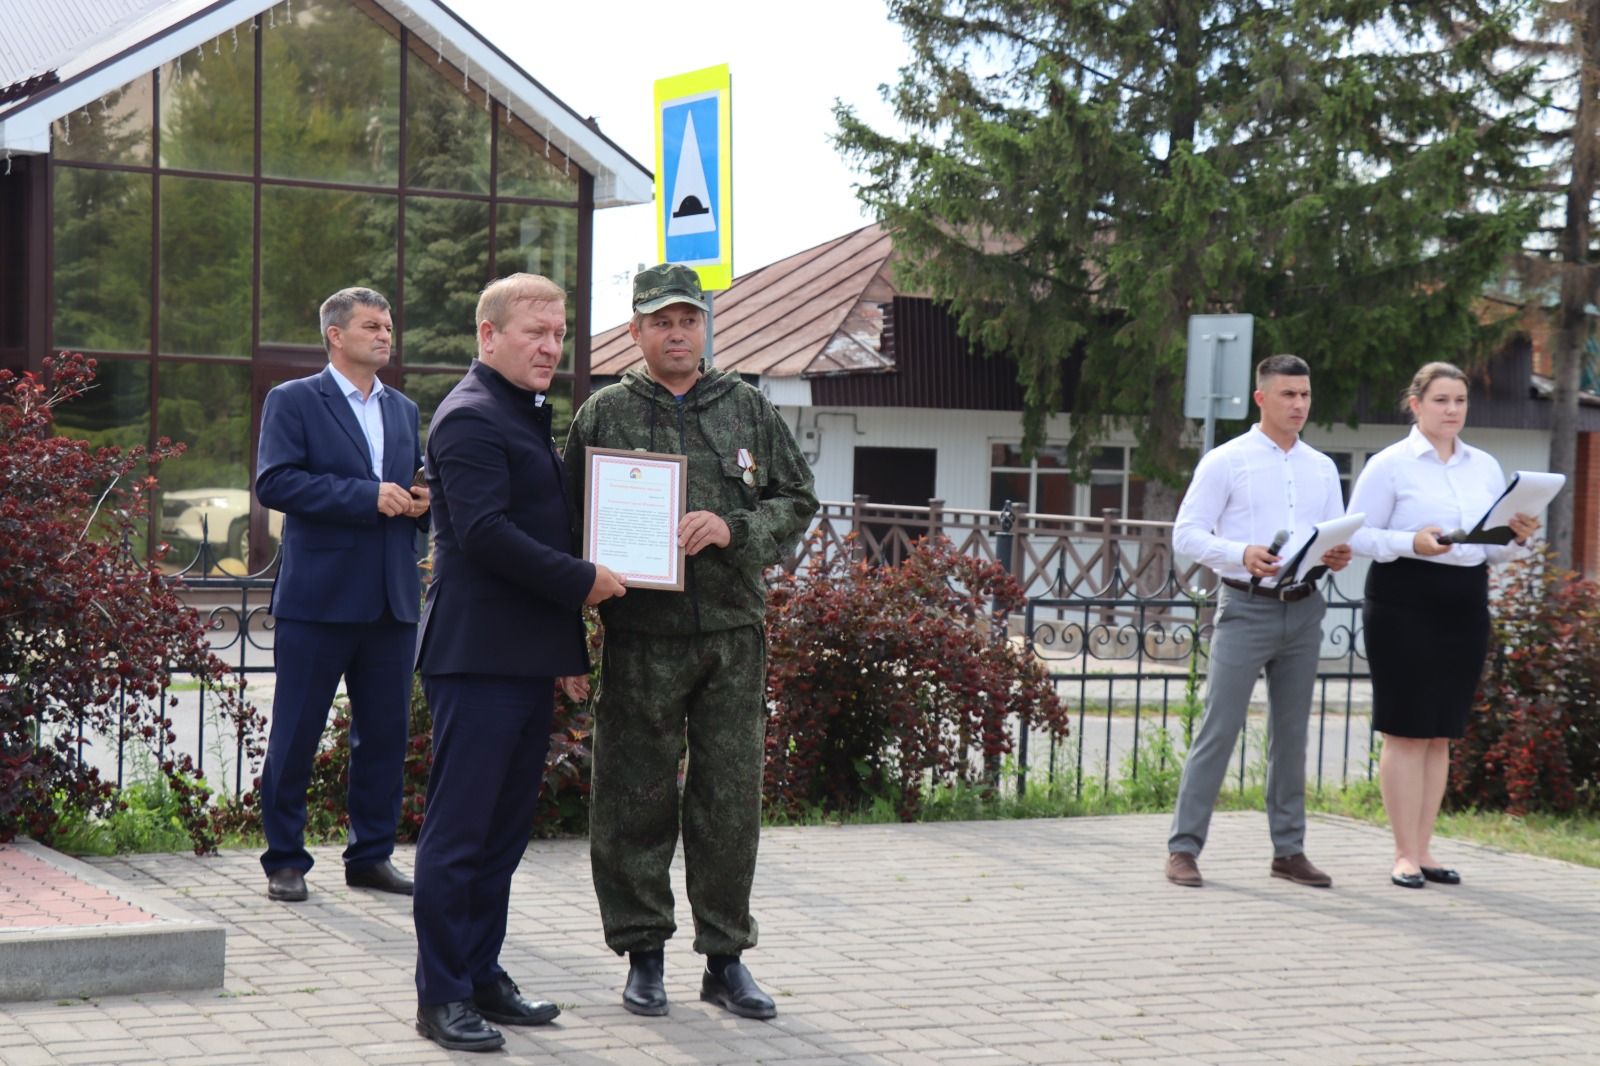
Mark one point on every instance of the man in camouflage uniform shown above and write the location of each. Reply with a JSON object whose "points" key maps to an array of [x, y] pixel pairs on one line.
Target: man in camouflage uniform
{"points": [[692, 662]]}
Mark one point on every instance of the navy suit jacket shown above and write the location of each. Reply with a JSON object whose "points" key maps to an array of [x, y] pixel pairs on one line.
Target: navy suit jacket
{"points": [[507, 587], [342, 560]]}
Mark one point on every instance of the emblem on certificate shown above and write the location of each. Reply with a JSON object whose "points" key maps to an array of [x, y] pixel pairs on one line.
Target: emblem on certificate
{"points": [[633, 504]]}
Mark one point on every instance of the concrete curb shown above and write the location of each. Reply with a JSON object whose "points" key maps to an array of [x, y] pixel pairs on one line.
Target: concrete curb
{"points": [[168, 950]]}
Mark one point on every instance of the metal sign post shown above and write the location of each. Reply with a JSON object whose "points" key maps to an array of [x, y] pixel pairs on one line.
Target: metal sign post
{"points": [[1217, 377]]}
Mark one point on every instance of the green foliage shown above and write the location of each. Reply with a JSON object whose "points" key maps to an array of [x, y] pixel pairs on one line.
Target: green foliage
{"points": [[147, 816], [1077, 179]]}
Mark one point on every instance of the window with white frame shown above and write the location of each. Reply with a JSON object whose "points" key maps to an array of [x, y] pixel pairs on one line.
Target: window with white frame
{"points": [[1046, 486]]}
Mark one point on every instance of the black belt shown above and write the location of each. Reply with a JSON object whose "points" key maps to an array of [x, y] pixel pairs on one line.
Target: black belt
{"points": [[1293, 594]]}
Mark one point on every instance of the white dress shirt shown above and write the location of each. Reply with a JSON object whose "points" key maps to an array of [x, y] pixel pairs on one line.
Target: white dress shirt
{"points": [[1247, 490], [369, 416], [1406, 486]]}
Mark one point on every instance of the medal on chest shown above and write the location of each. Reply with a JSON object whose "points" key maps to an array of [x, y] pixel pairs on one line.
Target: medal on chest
{"points": [[747, 463]]}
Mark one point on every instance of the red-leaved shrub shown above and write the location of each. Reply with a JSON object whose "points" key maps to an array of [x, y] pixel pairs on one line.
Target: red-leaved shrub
{"points": [[1533, 740], [84, 620], [884, 680]]}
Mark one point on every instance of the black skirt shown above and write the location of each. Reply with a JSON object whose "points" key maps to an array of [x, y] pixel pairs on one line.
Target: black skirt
{"points": [[1427, 636]]}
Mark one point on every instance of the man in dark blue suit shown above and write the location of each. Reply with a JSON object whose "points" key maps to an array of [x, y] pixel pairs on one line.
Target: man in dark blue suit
{"points": [[338, 453], [500, 629]]}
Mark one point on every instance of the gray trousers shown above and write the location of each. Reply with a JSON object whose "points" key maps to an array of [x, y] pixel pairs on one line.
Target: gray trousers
{"points": [[1253, 633]]}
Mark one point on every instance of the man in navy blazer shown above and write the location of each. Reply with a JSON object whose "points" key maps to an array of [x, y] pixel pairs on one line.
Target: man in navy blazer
{"points": [[502, 626], [337, 457]]}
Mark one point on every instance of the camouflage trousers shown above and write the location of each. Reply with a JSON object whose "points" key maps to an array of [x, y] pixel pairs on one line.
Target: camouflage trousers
{"points": [[657, 692]]}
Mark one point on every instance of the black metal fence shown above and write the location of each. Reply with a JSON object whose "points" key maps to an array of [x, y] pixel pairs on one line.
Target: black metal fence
{"points": [[233, 607], [1124, 643], [1132, 662]]}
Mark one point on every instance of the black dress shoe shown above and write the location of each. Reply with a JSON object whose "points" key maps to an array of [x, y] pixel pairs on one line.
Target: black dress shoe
{"points": [[287, 885], [381, 876], [502, 1002], [729, 985], [1441, 875], [645, 992], [457, 1026], [1408, 880]]}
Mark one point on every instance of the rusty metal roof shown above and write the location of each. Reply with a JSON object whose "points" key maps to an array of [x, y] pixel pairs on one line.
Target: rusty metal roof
{"points": [[818, 312]]}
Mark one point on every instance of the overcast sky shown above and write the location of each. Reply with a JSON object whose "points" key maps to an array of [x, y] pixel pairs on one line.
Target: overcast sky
{"points": [[791, 188]]}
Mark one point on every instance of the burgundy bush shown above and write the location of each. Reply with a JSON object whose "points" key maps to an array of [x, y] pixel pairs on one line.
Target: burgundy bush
{"points": [[84, 619], [883, 679], [1533, 740]]}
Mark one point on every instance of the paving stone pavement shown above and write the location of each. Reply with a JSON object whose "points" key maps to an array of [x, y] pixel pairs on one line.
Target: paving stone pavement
{"points": [[1045, 941]]}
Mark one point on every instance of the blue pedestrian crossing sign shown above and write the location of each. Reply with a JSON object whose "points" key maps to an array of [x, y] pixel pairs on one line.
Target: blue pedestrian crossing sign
{"points": [[694, 173]]}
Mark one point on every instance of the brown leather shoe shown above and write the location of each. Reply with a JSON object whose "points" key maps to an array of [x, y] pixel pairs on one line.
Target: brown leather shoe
{"points": [[1298, 868], [1182, 869]]}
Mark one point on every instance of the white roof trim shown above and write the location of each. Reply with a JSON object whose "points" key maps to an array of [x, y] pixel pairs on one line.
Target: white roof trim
{"points": [[142, 47]]}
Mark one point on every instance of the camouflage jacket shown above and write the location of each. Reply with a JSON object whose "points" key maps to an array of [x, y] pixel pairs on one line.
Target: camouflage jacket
{"points": [[723, 587]]}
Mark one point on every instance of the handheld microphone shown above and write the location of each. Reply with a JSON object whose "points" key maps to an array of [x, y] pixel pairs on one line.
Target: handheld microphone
{"points": [[1455, 536], [1279, 539]]}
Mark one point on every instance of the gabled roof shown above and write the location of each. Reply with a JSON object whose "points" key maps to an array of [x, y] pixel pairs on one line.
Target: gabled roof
{"points": [[57, 57], [817, 312]]}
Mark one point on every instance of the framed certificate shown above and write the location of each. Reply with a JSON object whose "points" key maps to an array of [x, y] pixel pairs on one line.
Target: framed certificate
{"points": [[633, 503]]}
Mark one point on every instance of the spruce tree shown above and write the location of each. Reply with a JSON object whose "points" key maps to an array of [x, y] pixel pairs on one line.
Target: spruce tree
{"points": [[1082, 176]]}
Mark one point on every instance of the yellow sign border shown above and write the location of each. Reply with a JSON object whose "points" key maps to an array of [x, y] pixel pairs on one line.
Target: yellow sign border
{"points": [[716, 80]]}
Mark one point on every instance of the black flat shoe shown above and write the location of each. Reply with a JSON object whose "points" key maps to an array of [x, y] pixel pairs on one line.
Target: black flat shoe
{"points": [[502, 1002], [1408, 880], [458, 1026], [645, 992], [1441, 875], [733, 989], [382, 877], [286, 885]]}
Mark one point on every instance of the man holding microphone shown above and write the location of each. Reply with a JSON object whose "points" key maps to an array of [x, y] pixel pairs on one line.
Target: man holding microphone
{"points": [[1244, 495]]}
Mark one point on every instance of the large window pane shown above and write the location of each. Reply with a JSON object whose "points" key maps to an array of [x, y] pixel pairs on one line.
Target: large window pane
{"points": [[206, 234], [116, 412], [112, 129], [447, 266], [330, 94], [530, 167], [560, 397], [208, 115], [102, 260], [541, 240], [315, 242], [207, 407], [427, 391], [448, 142], [1013, 487]]}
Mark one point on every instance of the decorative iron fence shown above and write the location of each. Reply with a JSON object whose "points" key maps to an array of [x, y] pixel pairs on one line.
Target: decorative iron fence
{"points": [[1121, 631], [1133, 662], [234, 610]]}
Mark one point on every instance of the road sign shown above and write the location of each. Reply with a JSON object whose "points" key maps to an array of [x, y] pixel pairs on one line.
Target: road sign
{"points": [[694, 173], [1217, 380]]}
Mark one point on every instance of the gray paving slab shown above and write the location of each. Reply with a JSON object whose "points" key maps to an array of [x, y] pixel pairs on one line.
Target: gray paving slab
{"points": [[1048, 941]]}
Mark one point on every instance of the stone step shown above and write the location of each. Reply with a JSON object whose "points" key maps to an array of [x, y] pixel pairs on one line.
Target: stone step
{"points": [[67, 930]]}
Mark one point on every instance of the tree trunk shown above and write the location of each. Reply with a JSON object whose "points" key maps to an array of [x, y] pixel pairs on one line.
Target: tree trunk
{"points": [[1577, 285]]}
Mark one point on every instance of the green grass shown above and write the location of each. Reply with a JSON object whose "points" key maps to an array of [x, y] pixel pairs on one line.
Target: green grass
{"points": [[1568, 837]]}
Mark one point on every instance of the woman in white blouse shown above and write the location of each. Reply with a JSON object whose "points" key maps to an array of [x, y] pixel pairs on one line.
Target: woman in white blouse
{"points": [[1426, 612]]}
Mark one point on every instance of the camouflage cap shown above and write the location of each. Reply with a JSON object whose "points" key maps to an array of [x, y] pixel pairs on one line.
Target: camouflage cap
{"points": [[665, 284]]}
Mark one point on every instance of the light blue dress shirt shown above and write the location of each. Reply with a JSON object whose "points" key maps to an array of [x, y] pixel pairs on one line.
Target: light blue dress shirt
{"points": [[369, 416]]}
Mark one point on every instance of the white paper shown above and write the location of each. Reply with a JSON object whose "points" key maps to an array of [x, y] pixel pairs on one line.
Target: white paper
{"points": [[1324, 537], [1529, 493]]}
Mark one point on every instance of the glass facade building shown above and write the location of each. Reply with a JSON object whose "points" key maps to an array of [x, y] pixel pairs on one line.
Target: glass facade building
{"points": [[197, 215]]}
